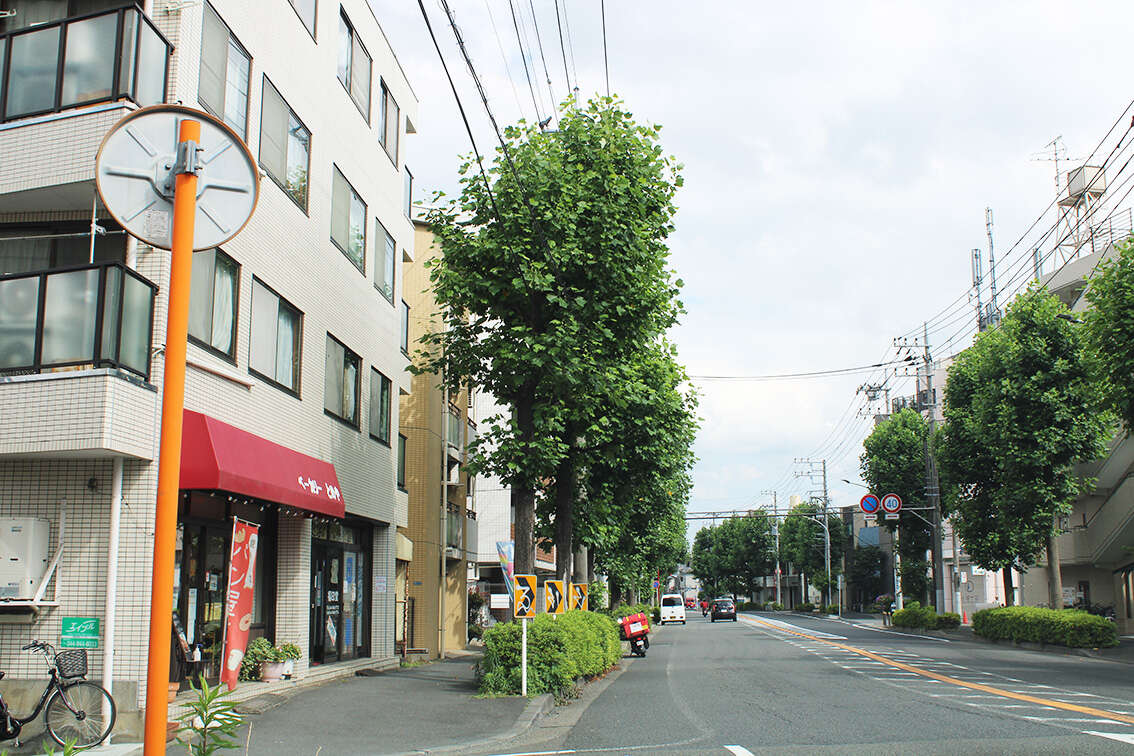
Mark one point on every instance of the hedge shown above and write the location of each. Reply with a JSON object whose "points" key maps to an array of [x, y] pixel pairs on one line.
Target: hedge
{"points": [[915, 615], [620, 611], [806, 606], [1073, 628], [577, 644], [831, 609]]}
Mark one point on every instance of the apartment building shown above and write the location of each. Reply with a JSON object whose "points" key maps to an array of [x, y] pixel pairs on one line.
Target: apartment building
{"points": [[298, 335], [435, 430]]}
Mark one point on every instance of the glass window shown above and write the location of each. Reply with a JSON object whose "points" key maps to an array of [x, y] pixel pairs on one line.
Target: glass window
{"points": [[153, 64], [306, 11], [354, 66], [385, 254], [380, 406], [391, 121], [348, 220], [137, 320], [285, 145], [225, 72], [69, 312], [33, 66], [277, 329], [212, 301], [88, 70], [340, 383], [405, 328], [18, 321], [409, 194], [401, 461]]}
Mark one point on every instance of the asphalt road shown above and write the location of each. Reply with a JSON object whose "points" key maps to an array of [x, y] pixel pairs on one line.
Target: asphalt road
{"points": [[789, 684]]}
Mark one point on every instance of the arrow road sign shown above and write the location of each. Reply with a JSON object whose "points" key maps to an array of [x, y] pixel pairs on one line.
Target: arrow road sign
{"points": [[869, 504], [579, 596], [525, 599], [553, 598]]}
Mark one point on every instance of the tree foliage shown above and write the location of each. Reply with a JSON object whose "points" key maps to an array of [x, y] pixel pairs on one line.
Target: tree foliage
{"points": [[1021, 410], [733, 557], [865, 572], [802, 542], [1110, 330], [893, 461]]}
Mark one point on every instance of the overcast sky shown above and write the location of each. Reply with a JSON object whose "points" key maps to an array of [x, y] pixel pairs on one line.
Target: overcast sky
{"points": [[838, 160]]}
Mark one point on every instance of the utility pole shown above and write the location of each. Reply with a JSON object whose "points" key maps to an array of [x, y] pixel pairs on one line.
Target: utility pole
{"points": [[933, 493], [776, 533], [978, 281], [994, 313], [827, 535], [957, 577]]}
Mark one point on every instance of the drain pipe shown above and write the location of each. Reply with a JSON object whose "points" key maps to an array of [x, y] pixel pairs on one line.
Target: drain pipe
{"points": [[111, 605]]}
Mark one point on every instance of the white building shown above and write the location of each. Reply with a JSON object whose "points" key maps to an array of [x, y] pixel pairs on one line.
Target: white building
{"points": [[297, 330]]}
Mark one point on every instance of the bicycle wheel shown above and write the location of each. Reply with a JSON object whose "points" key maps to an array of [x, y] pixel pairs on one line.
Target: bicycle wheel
{"points": [[83, 713]]}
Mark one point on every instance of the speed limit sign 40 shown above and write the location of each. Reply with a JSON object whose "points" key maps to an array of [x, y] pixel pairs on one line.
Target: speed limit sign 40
{"points": [[891, 505]]}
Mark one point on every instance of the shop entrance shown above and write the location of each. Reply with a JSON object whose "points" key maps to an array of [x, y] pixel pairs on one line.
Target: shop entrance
{"points": [[340, 595]]}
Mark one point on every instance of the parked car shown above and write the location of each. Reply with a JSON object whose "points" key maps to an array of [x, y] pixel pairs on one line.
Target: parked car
{"points": [[722, 608], [672, 608]]}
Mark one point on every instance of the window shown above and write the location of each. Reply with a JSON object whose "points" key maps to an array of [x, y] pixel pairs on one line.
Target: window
{"points": [[379, 406], [285, 145], [354, 66], [401, 462], [409, 194], [405, 328], [305, 9], [225, 70], [385, 258], [277, 331], [340, 384], [391, 121], [213, 301], [348, 221]]}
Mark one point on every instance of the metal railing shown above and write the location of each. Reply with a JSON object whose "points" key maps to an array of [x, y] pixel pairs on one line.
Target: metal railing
{"points": [[98, 57], [98, 315]]}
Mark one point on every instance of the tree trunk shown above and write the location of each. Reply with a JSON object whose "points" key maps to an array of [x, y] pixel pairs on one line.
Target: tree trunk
{"points": [[1054, 578], [523, 498], [1008, 592], [590, 566], [564, 517], [615, 591], [579, 573]]}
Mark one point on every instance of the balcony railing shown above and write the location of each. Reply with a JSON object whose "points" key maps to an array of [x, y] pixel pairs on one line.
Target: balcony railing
{"points": [[91, 316], [100, 57], [453, 529]]}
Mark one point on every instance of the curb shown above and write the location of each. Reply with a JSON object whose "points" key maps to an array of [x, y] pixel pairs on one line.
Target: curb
{"points": [[966, 634], [536, 708]]}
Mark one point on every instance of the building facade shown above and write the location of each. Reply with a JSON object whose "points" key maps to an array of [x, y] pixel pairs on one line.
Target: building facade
{"points": [[298, 340]]}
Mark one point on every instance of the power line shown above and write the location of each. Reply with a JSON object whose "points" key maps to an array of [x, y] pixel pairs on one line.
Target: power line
{"points": [[523, 57], [605, 63], [570, 44], [504, 57], [784, 376], [562, 49], [546, 73]]}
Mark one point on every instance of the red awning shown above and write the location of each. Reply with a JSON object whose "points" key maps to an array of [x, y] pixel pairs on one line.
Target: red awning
{"points": [[216, 455]]}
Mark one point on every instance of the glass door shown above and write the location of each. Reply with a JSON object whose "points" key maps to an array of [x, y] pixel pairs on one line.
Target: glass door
{"points": [[326, 603]]}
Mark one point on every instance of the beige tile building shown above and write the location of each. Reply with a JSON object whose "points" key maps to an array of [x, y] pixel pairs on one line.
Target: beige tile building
{"points": [[298, 334]]}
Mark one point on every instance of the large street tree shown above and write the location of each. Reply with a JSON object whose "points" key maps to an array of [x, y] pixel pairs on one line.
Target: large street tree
{"points": [[893, 461], [734, 557], [1021, 409], [1110, 330], [547, 280], [803, 543]]}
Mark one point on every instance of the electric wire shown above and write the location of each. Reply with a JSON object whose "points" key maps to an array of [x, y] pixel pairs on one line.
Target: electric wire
{"points": [[504, 57], [524, 58], [562, 50], [570, 46], [546, 73], [786, 376], [605, 62]]}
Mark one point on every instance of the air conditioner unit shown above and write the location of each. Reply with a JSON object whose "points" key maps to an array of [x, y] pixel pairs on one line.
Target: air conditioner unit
{"points": [[24, 543]]}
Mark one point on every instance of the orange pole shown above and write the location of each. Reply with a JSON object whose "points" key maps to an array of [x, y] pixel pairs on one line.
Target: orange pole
{"points": [[169, 459]]}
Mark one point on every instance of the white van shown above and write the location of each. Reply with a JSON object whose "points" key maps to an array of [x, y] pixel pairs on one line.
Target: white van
{"points": [[672, 608]]}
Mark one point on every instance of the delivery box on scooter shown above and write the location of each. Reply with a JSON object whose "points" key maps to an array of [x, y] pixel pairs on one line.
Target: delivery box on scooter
{"points": [[634, 625]]}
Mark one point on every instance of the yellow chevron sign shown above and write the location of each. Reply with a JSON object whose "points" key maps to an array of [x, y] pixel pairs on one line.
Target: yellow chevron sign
{"points": [[525, 598], [554, 601], [579, 598]]}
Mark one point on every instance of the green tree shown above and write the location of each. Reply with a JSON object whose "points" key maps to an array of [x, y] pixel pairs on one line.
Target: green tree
{"points": [[733, 557], [548, 281], [803, 544], [1110, 330], [865, 573], [893, 461], [1021, 409]]}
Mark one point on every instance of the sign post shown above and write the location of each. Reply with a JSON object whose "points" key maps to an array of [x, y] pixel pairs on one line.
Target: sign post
{"points": [[524, 607], [171, 177]]}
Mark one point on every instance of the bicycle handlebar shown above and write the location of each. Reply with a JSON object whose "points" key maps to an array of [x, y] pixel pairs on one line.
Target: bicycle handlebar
{"points": [[36, 645]]}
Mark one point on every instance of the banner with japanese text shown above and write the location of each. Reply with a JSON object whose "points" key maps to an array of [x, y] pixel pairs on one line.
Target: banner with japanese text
{"points": [[238, 599], [506, 552]]}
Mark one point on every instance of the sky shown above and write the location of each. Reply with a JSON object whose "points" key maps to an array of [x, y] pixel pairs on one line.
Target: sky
{"points": [[838, 159]]}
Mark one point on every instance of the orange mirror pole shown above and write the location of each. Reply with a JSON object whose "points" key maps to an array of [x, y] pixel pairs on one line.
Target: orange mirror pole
{"points": [[169, 459]]}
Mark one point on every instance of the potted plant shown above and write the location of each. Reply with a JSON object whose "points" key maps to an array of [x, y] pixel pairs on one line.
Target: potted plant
{"points": [[290, 653]]}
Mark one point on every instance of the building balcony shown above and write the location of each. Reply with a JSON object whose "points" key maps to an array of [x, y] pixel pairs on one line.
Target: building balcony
{"points": [[82, 60]]}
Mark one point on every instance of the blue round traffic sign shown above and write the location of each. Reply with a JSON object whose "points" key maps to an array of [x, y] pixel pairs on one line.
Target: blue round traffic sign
{"points": [[869, 503], [891, 503]]}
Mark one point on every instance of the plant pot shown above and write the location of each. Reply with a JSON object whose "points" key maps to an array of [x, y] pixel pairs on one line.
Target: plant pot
{"points": [[271, 671], [288, 668], [174, 688]]}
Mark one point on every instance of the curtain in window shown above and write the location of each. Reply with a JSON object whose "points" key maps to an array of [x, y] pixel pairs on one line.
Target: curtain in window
{"points": [[200, 296], [286, 356], [214, 62], [224, 307], [273, 133], [340, 211], [350, 390], [236, 88], [24, 255], [264, 342], [333, 378]]}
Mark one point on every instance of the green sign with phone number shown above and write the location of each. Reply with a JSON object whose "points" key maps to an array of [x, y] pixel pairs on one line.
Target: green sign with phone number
{"points": [[80, 632]]}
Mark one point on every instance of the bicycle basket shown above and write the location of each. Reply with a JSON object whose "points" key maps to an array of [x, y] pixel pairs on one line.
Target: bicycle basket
{"points": [[72, 663]]}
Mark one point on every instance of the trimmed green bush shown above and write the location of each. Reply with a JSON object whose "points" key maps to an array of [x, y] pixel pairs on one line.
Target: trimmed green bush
{"points": [[1073, 628], [806, 606], [948, 621], [915, 615], [577, 644], [775, 607], [831, 609]]}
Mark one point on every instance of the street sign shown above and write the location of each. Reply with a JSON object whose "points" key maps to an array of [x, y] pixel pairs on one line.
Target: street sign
{"points": [[870, 519], [525, 598], [891, 503], [79, 632], [869, 504], [554, 600], [579, 596]]}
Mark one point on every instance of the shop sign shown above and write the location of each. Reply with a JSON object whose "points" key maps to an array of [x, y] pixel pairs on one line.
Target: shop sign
{"points": [[499, 601], [79, 632], [238, 601], [379, 583]]}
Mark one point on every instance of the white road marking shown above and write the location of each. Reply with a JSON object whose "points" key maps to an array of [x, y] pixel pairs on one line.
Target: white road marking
{"points": [[1096, 720], [894, 632], [795, 628], [739, 750], [1121, 737]]}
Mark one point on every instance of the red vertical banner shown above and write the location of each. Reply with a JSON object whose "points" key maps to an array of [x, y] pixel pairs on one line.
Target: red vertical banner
{"points": [[238, 599]]}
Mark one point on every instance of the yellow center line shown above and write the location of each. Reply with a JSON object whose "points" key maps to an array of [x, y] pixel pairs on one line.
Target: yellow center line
{"points": [[1102, 713]]}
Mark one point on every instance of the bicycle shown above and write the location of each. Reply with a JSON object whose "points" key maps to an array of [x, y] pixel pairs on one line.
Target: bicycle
{"points": [[74, 710]]}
